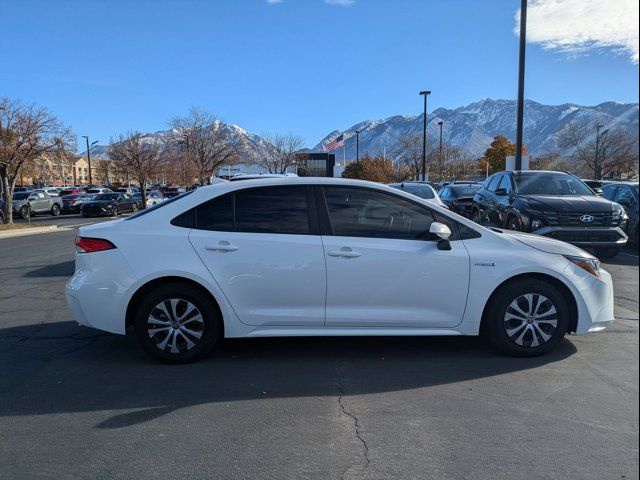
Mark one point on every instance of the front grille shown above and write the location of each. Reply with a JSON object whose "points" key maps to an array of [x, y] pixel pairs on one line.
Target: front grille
{"points": [[562, 219], [584, 237]]}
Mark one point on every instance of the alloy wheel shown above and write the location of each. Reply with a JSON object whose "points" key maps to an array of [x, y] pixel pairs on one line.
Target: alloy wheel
{"points": [[530, 320], [175, 325]]}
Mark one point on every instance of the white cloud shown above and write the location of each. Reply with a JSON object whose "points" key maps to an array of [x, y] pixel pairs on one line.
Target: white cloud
{"points": [[274, 2], [577, 26], [340, 3]]}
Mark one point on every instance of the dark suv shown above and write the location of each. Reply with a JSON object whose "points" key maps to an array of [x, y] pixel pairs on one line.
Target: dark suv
{"points": [[553, 204], [626, 194]]}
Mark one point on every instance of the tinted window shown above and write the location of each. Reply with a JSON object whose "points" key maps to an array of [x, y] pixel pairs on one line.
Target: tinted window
{"points": [[505, 183], [272, 210], [465, 191], [422, 191], [107, 196], [609, 191], [490, 180], [624, 193], [157, 206], [20, 196], [444, 193], [495, 181], [357, 212], [216, 214]]}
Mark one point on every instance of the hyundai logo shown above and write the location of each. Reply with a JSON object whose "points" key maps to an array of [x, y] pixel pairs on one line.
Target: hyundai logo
{"points": [[586, 218]]}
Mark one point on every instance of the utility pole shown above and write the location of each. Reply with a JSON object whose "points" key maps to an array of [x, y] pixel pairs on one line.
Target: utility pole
{"points": [[596, 165], [89, 156], [425, 94], [440, 150], [523, 43]]}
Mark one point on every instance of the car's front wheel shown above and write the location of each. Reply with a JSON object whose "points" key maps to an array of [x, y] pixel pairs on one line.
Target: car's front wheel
{"points": [[25, 213], [527, 318], [55, 210], [176, 323]]}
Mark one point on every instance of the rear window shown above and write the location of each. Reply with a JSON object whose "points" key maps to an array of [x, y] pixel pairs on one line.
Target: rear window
{"points": [[466, 191], [422, 191]]}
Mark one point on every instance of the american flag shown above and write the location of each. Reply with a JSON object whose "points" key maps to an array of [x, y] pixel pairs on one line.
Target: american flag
{"points": [[337, 143]]}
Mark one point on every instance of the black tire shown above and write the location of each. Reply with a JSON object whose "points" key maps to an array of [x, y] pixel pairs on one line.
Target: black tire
{"points": [[210, 330], [521, 343], [513, 223], [25, 213], [607, 252], [55, 210], [115, 212], [476, 217], [134, 208]]}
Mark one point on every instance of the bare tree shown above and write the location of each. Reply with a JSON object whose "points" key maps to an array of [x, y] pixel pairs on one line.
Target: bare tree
{"points": [[139, 158], [27, 132], [200, 138], [280, 152], [408, 152], [614, 150]]}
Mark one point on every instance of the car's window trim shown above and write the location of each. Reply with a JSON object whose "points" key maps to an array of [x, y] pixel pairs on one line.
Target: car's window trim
{"points": [[327, 230]]}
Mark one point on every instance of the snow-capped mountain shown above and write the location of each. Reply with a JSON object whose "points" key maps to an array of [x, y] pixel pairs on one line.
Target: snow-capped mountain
{"points": [[251, 144], [474, 126]]}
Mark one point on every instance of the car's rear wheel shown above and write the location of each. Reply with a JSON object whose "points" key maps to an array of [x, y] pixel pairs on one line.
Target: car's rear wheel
{"points": [[176, 323], [55, 210], [607, 252], [527, 318]]}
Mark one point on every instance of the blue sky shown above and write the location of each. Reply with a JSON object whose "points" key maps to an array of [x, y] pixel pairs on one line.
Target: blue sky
{"points": [[300, 66]]}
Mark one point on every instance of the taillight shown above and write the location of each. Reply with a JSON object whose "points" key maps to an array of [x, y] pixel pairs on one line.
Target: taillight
{"points": [[90, 245]]}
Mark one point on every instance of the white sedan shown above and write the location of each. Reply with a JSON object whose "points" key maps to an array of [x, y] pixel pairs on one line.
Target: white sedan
{"points": [[315, 256]]}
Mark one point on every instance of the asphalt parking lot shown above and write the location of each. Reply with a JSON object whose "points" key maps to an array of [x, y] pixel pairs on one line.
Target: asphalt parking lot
{"points": [[78, 403]]}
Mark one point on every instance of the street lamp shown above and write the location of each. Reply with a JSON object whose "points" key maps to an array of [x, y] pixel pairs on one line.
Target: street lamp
{"points": [[425, 94], [596, 166], [89, 155], [357, 147], [440, 151], [523, 42]]}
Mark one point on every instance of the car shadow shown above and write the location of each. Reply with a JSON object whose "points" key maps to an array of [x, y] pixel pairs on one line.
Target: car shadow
{"points": [[62, 269], [60, 367]]}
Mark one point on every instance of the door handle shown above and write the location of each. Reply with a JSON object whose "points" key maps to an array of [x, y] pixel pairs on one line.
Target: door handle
{"points": [[221, 247], [343, 253]]}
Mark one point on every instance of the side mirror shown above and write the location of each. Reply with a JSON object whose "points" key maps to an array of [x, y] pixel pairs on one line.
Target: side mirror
{"points": [[443, 232], [501, 192], [598, 191]]}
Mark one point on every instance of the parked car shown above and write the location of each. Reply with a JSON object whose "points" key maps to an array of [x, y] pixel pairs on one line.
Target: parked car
{"points": [[253, 176], [459, 197], [22, 189], [595, 185], [73, 203], [70, 191], [153, 198], [327, 257], [171, 192], [52, 191], [26, 204], [423, 190], [97, 190], [128, 190], [626, 194], [553, 204], [108, 204]]}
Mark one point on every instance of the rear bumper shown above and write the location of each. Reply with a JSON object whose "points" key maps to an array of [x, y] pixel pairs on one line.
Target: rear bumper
{"points": [[586, 236]]}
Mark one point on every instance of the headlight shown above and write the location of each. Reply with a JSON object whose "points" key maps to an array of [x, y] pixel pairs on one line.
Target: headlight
{"points": [[591, 265], [536, 223]]}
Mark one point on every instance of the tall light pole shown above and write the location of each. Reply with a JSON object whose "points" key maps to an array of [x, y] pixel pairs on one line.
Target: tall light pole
{"points": [[596, 165], [440, 149], [89, 155], [425, 94], [357, 147], [523, 43]]}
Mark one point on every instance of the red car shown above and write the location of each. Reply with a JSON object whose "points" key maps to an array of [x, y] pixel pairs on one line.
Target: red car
{"points": [[70, 191]]}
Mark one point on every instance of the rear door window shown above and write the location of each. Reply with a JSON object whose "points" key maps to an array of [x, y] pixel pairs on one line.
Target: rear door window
{"points": [[272, 210]]}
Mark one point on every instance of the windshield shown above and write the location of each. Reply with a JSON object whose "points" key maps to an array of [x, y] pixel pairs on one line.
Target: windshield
{"points": [[106, 196], [422, 191], [20, 195], [550, 183], [466, 191]]}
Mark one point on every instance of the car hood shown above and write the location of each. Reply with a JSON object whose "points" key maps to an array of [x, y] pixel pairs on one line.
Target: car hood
{"points": [[569, 203], [545, 244]]}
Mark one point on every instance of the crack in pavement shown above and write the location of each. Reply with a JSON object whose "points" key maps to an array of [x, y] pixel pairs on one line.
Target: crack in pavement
{"points": [[356, 422]]}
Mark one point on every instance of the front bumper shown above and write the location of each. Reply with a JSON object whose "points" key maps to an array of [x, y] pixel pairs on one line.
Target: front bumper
{"points": [[586, 236]]}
